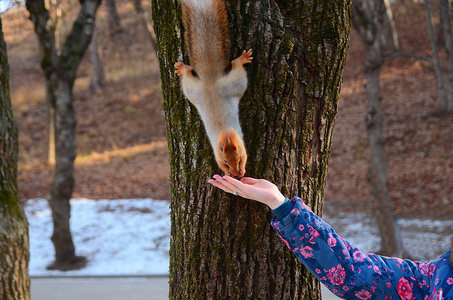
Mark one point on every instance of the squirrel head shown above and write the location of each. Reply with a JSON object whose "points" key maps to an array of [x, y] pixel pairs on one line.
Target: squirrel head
{"points": [[232, 155]]}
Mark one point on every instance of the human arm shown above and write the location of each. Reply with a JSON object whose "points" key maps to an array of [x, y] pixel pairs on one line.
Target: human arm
{"points": [[340, 266]]}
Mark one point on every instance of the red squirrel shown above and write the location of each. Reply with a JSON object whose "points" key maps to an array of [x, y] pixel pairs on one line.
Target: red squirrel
{"points": [[214, 93]]}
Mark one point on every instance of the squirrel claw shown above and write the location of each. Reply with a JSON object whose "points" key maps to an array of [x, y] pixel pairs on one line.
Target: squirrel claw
{"points": [[181, 68], [245, 58]]}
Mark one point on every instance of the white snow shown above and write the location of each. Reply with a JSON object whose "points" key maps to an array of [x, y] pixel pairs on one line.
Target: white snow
{"points": [[119, 237], [423, 239], [132, 237]]}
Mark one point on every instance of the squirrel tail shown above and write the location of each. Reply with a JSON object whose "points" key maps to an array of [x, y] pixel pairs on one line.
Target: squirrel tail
{"points": [[207, 36]]}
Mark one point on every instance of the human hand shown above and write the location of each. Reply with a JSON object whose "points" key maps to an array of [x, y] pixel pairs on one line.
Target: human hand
{"points": [[259, 190]]}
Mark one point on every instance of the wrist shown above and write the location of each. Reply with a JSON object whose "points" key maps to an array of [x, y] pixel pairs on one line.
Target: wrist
{"points": [[276, 202], [284, 209]]}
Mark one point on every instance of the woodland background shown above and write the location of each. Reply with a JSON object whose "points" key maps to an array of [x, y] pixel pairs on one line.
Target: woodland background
{"points": [[121, 139]]}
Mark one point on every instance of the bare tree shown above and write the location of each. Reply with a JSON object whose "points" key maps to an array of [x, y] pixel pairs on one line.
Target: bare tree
{"points": [[222, 247], [14, 245], [368, 18], [58, 10], [60, 71], [445, 20], [97, 80], [147, 23], [436, 60], [390, 33], [114, 18]]}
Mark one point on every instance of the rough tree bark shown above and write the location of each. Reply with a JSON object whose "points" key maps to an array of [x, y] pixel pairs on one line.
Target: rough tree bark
{"points": [[14, 245], [368, 18], [222, 247], [60, 71]]}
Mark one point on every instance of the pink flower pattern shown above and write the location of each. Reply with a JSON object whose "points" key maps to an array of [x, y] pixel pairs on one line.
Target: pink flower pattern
{"points": [[350, 273], [404, 289], [331, 241], [336, 275], [363, 294]]}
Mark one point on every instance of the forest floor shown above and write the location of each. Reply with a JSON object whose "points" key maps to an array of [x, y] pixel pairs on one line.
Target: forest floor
{"points": [[121, 138]]}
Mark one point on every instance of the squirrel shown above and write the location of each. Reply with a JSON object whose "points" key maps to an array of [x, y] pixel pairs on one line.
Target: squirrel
{"points": [[215, 92]]}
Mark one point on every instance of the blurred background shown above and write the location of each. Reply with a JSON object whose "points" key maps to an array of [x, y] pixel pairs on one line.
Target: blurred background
{"points": [[121, 140]]}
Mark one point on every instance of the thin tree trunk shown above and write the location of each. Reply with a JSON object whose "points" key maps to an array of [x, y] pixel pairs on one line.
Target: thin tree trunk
{"points": [[14, 244], [147, 23], [97, 74], [448, 34], [222, 247], [437, 66], [114, 18], [368, 19], [51, 130], [63, 181], [60, 71], [389, 238], [391, 35]]}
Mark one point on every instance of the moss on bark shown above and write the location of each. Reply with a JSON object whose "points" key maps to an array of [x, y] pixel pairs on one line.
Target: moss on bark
{"points": [[14, 247], [221, 246]]}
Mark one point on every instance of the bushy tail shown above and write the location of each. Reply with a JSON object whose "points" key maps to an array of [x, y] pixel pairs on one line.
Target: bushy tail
{"points": [[207, 36]]}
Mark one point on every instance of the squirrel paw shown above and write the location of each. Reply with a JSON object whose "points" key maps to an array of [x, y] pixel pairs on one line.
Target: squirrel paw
{"points": [[245, 58], [182, 69]]}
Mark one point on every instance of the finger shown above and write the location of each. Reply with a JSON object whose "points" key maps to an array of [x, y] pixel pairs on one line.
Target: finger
{"points": [[249, 180], [234, 182], [235, 185], [219, 184]]}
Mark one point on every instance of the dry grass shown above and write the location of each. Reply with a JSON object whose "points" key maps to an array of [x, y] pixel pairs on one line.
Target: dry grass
{"points": [[128, 153]]}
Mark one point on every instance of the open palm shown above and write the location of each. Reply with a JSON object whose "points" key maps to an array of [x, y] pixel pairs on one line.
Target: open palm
{"points": [[259, 190]]}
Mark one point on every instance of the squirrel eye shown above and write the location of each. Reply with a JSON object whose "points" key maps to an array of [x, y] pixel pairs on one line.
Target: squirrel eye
{"points": [[225, 161]]}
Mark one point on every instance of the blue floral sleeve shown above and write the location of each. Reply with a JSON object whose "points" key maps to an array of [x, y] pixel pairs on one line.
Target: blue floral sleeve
{"points": [[341, 267]]}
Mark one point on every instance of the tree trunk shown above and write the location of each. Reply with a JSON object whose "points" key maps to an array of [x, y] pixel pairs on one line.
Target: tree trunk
{"points": [[60, 71], [51, 130], [390, 244], [368, 19], [222, 246], [147, 23], [390, 33], [14, 245], [97, 74], [114, 18], [448, 37], [63, 181], [437, 66]]}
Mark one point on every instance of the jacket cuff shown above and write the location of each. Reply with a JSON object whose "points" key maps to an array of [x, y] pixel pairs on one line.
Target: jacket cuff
{"points": [[284, 209]]}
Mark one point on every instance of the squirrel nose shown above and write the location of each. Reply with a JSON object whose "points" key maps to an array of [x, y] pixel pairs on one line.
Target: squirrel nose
{"points": [[238, 175]]}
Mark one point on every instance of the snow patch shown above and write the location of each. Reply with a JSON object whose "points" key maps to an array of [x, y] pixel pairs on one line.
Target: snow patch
{"points": [[132, 237]]}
